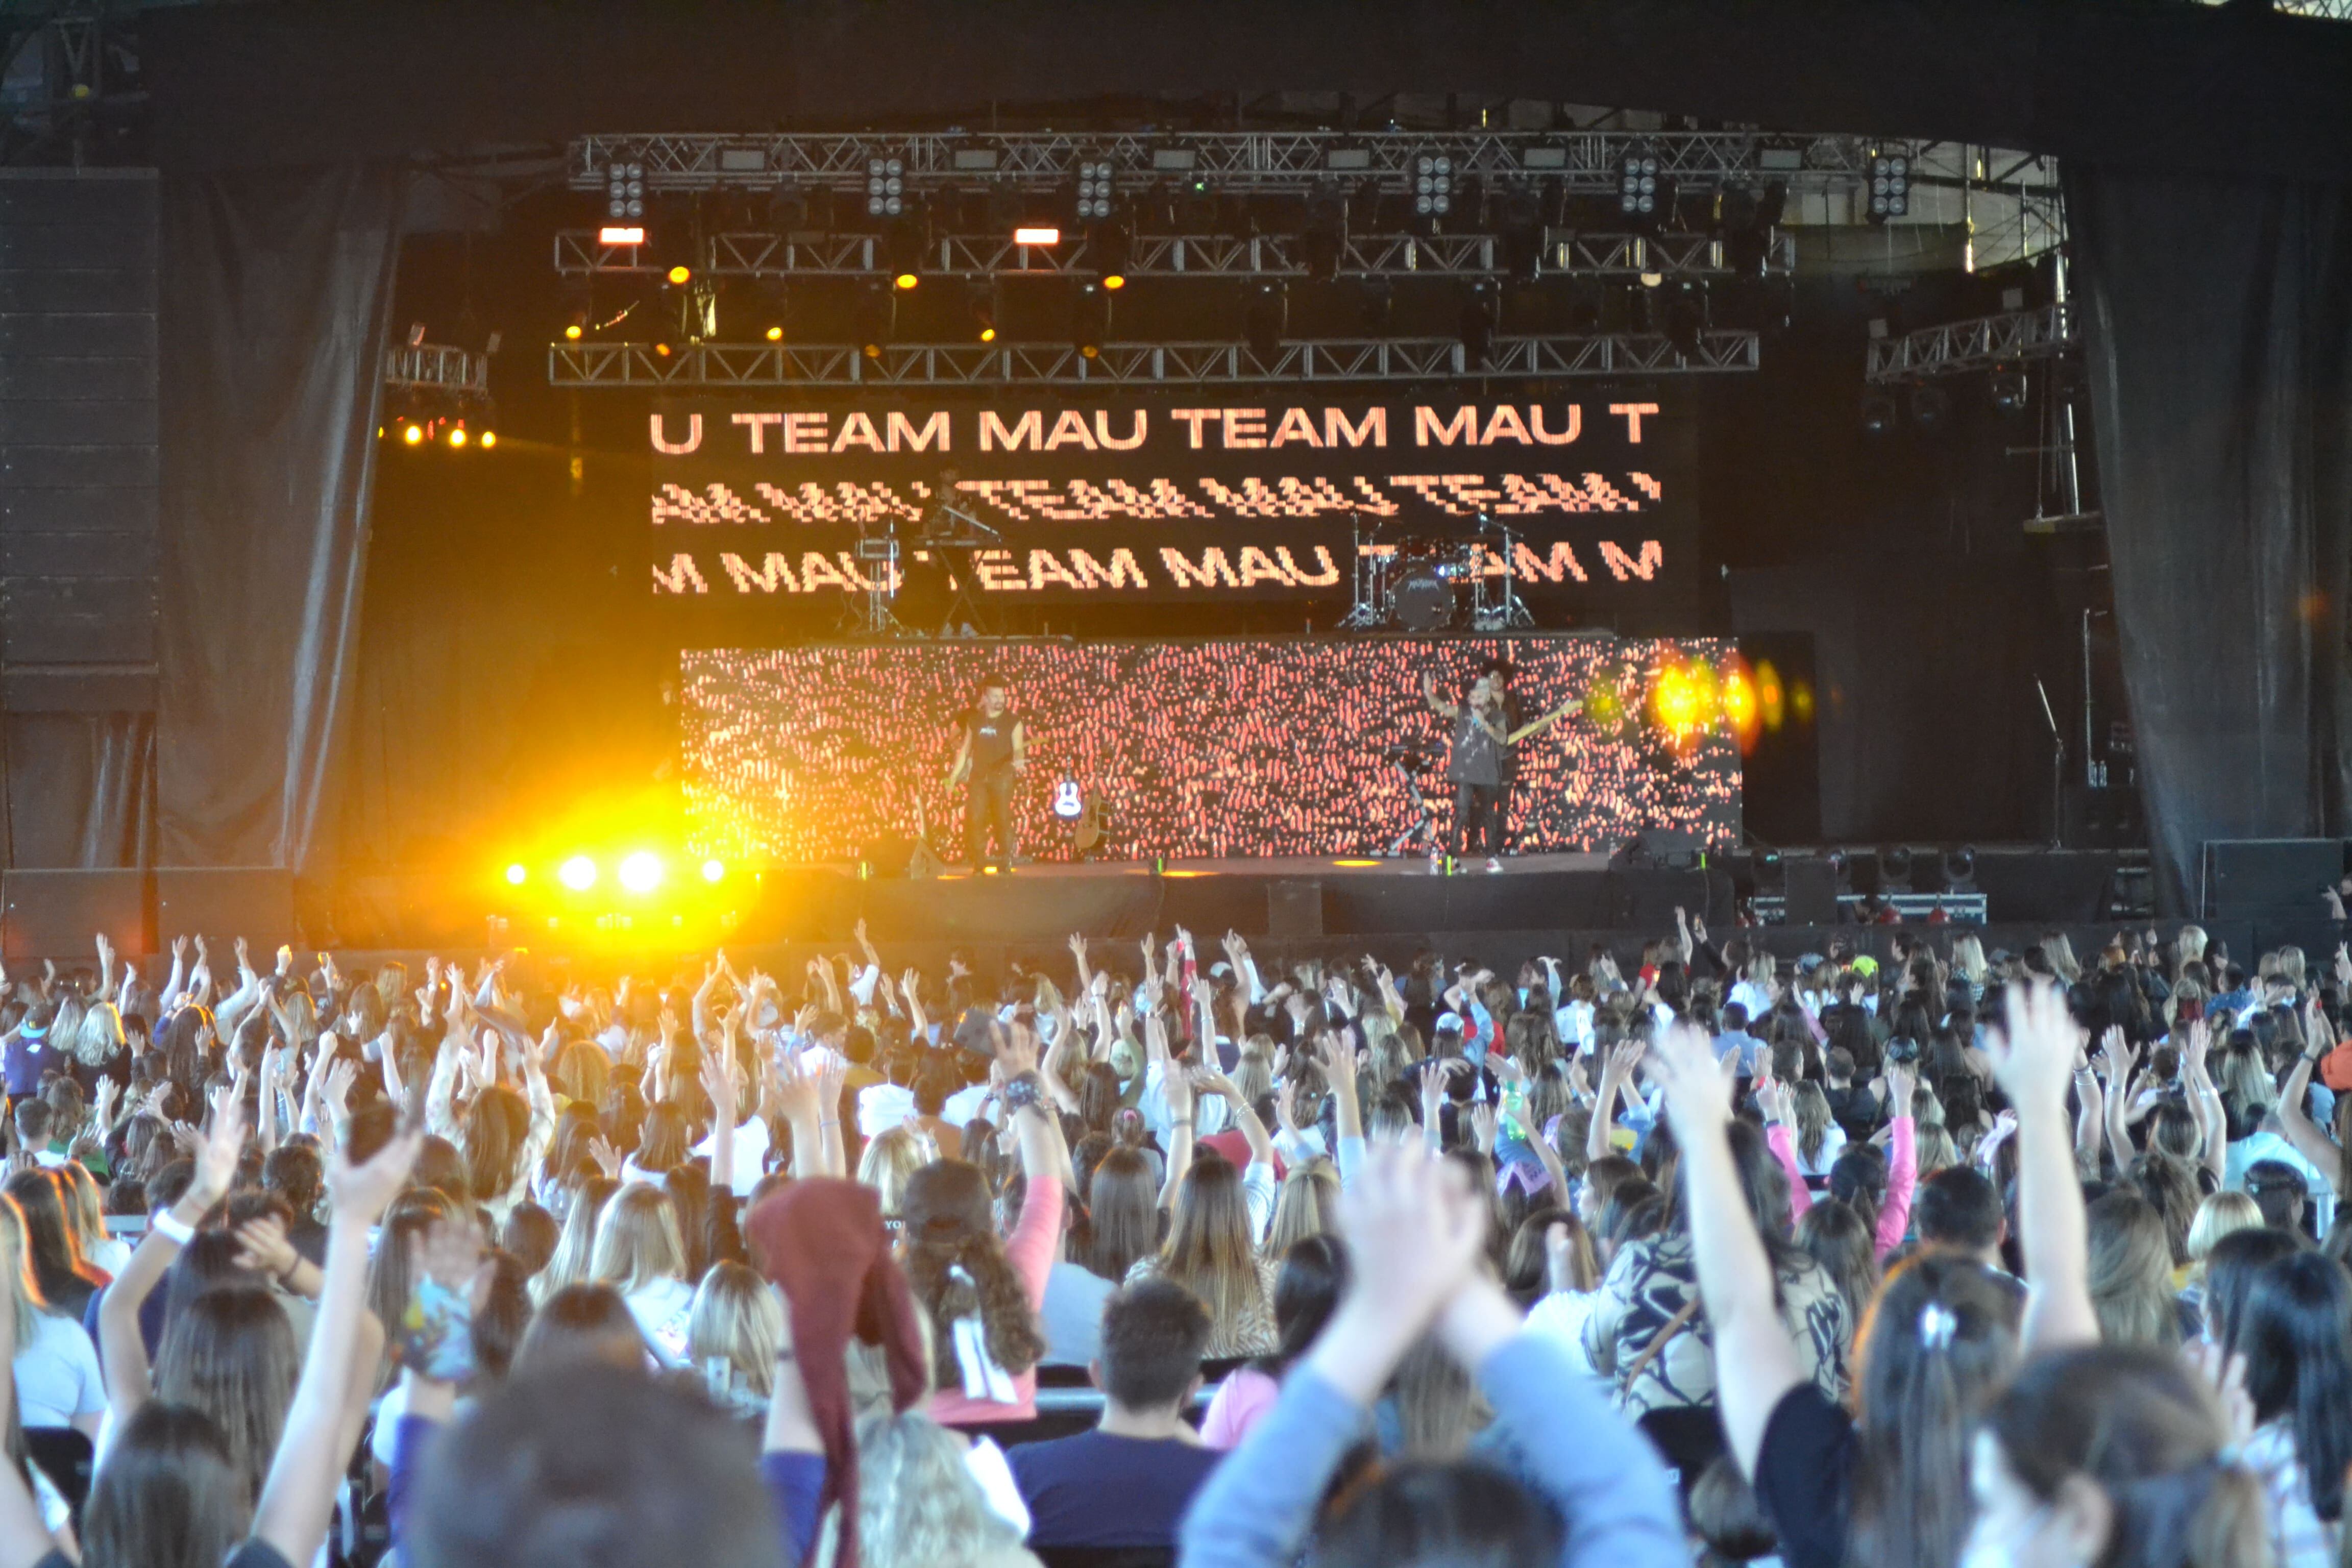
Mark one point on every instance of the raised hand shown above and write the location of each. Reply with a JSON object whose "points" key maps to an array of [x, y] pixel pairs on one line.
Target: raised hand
{"points": [[1698, 1101], [216, 1152], [1482, 1124], [1413, 1241], [1285, 1107], [721, 1083], [262, 1247], [607, 1158]]}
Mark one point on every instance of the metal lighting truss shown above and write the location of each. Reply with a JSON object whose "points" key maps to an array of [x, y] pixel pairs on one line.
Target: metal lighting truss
{"points": [[436, 365], [1983, 344], [756, 254], [1138, 365], [1242, 162]]}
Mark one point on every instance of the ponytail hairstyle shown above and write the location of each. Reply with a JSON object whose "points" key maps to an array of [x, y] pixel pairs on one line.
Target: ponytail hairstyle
{"points": [[1935, 1349], [2137, 1423], [2297, 1342], [956, 1267]]}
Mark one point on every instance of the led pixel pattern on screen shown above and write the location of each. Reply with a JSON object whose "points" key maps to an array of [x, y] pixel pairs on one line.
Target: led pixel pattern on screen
{"points": [[1193, 749]]}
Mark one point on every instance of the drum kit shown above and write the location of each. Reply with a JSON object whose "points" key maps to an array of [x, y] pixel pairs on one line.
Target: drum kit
{"points": [[1423, 584]]}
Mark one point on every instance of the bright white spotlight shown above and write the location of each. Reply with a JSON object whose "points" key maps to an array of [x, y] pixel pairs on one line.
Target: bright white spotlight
{"points": [[641, 872], [518, 874], [712, 870], [578, 873]]}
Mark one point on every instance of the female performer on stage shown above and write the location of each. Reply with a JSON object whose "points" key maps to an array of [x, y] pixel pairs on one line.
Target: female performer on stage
{"points": [[1474, 768]]}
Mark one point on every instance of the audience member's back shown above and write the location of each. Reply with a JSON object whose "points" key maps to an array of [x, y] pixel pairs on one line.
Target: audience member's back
{"points": [[593, 1465]]}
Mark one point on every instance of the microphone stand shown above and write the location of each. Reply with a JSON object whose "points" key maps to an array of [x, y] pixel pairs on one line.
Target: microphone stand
{"points": [[2057, 769]]}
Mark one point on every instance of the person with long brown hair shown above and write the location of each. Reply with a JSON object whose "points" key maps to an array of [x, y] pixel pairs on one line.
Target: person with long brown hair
{"points": [[1211, 1253], [983, 1294]]}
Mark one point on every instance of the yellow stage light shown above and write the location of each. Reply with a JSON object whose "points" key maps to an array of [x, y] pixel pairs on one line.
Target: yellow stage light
{"points": [[489, 439], [712, 870], [571, 331], [578, 873], [517, 875], [775, 335], [456, 435], [905, 280], [680, 273], [641, 872], [413, 434], [1114, 280], [988, 334]]}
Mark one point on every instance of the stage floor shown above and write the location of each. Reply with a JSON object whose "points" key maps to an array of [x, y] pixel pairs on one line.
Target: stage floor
{"points": [[1323, 869]]}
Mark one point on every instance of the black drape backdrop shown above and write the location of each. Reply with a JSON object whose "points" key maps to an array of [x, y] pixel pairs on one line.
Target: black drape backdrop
{"points": [[275, 295], [2218, 316]]}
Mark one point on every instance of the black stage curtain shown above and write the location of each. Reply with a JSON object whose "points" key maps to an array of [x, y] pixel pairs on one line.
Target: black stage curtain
{"points": [[2218, 341], [81, 790], [276, 291]]}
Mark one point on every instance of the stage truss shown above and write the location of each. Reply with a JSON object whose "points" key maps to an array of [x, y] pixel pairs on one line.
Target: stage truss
{"points": [[1141, 364]]}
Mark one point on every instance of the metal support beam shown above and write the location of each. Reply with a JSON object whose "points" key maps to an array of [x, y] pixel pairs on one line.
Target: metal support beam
{"points": [[436, 365], [1562, 254], [1982, 344], [1297, 161], [1138, 365]]}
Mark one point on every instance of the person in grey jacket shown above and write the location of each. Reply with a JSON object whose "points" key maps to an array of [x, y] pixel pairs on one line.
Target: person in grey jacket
{"points": [[1415, 1232]]}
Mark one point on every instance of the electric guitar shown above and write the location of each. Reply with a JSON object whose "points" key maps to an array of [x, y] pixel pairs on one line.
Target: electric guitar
{"points": [[1536, 727]]}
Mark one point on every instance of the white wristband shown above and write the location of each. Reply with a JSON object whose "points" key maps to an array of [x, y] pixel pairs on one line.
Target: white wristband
{"points": [[179, 1232]]}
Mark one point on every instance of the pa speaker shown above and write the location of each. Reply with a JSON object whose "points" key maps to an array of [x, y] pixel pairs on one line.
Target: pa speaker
{"points": [[1812, 892], [1661, 849]]}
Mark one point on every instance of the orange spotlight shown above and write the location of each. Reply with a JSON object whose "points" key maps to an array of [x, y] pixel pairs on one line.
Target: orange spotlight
{"points": [[456, 435], [1676, 702], [904, 280], [571, 331], [1800, 703], [988, 334], [412, 434], [679, 274], [662, 349], [775, 335], [517, 875], [1114, 280], [1771, 701], [489, 439]]}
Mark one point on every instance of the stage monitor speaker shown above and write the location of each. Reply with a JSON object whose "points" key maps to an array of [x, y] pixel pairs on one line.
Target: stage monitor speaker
{"points": [[1293, 911], [2244, 877], [224, 902], [1812, 892], [59, 914], [1660, 849]]}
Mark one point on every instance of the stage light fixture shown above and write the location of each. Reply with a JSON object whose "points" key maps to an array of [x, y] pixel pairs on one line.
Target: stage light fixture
{"points": [[625, 191], [1266, 317], [1930, 405], [456, 436], [1637, 186], [1094, 189], [886, 188], [2010, 391], [714, 870], [413, 434], [1960, 870], [1894, 869], [573, 330], [488, 439], [615, 236], [1477, 329], [906, 282], [1090, 319], [1040, 234], [1890, 186], [775, 335], [1433, 185], [1114, 280], [680, 275], [518, 874], [578, 873], [1877, 413], [662, 349], [641, 872], [980, 303]]}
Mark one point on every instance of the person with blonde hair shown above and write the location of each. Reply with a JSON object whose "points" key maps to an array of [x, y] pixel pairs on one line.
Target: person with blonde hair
{"points": [[2131, 1273], [891, 1159], [57, 1379], [2223, 1214], [1820, 1140], [919, 1505], [640, 1253], [1308, 1204], [575, 1245], [733, 1336], [1209, 1252]]}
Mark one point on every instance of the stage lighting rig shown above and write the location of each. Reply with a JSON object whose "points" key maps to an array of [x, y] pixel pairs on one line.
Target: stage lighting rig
{"points": [[2010, 390], [1433, 185], [886, 188], [1266, 318], [625, 194], [1093, 190], [1931, 405], [1879, 417], [1889, 186]]}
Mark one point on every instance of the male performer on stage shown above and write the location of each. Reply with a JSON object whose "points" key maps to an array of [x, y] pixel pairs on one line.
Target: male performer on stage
{"points": [[993, 753], [1475, 769]]}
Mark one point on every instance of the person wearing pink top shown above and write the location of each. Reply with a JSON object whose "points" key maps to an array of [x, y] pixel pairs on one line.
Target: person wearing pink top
{"points": [[1894, 1203], [983, 1294]]}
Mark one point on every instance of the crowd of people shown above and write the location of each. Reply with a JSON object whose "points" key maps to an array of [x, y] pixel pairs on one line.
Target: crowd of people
{"points": [[1925, 1256]]}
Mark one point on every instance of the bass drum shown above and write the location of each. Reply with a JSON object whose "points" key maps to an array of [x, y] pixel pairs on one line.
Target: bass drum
{"points": [[1424, 601]]}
